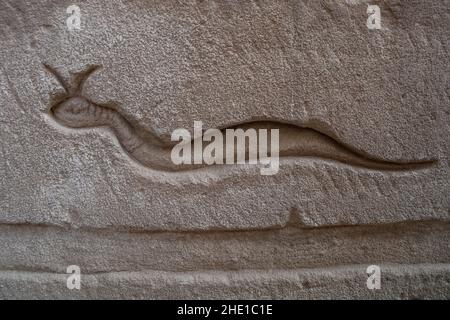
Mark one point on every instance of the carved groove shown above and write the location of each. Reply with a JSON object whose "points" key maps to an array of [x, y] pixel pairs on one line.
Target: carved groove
{"points": [[75, 111]]}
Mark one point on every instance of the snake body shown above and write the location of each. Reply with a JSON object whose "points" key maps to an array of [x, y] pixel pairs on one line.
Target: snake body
{"points": [[78, 112]]}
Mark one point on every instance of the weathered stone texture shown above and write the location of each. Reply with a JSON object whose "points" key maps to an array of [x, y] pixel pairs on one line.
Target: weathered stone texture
{"points": [[75, 196]]}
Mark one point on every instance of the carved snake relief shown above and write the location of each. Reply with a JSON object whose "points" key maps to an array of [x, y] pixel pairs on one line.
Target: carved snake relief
{"points": [[75, 111]]}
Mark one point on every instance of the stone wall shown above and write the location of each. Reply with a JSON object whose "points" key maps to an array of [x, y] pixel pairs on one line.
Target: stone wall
{"points": [[363, 180]]}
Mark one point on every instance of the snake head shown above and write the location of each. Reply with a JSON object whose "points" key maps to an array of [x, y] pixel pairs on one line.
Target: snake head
{"points": [[75, 112]]}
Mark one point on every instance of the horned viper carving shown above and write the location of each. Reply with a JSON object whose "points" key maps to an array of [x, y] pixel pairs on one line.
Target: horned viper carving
{"points": [[75, 111]]}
